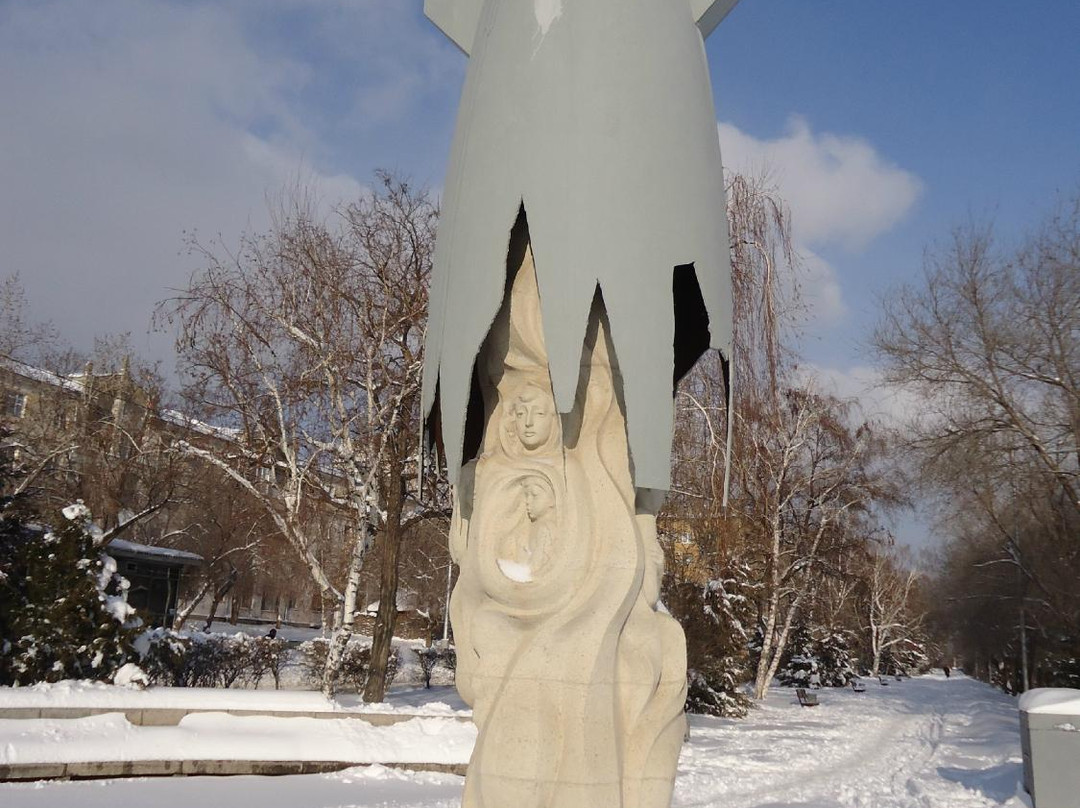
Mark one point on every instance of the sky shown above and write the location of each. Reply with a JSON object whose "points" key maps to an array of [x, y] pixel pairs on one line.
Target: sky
{"points": [[128, 125]]}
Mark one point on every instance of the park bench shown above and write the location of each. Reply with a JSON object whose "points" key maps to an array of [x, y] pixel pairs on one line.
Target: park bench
{"points": [[858, 686], [883, 680], [806, 699]]}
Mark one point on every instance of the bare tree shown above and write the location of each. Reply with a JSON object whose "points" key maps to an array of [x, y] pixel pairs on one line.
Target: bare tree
{"points": [[809, 480], [890, 603], [307, 341], [218, 520], [987, 341], [21, 338]]}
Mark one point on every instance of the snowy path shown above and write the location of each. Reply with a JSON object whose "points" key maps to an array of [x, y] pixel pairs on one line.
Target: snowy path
{"points": [[923, 743]]}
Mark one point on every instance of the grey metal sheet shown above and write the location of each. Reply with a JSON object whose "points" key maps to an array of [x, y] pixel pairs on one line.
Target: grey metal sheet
{"points": [[597, 117], [710, 13]]}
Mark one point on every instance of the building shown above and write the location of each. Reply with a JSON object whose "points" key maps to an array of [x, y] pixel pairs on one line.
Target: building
{"points": [[156, 576], [104, 439]]}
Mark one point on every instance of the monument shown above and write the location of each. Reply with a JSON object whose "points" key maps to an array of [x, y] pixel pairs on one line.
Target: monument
{"points": [[581, 267]]}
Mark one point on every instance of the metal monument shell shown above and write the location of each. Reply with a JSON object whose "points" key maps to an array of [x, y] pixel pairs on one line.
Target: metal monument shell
{"points": [[595, 119]]}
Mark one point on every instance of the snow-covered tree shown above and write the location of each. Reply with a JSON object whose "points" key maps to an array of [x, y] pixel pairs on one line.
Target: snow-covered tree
{"points": [[810, 476], [890, 609], [308, 342], [818, 656], [715, 616], [62, 610]]}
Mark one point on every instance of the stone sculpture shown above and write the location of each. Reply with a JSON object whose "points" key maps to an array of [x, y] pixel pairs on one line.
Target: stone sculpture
{"points": [[577, 682], [581, 268]]}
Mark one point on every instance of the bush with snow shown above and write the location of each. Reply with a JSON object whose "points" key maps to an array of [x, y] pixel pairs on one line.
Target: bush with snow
{"points": [[437, 658], [131, 675], [62, 609], [908, 657], [354, 666], [195, 659], [714, 617], [1060, 667], [818, 657]]}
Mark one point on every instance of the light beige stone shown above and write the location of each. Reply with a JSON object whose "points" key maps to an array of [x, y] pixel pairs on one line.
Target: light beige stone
{"points": [[576, 679]]}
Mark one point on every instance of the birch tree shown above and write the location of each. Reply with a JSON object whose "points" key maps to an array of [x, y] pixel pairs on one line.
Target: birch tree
{"points": [[308, 341], [809, 481], [890, 605], [987, 343]]}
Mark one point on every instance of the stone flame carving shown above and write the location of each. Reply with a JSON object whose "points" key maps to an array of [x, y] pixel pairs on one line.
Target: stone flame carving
{"points": [[576, 680]]}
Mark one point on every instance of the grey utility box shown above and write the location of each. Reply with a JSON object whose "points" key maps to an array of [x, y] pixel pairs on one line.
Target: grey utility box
{"points": [[1050, 739]]}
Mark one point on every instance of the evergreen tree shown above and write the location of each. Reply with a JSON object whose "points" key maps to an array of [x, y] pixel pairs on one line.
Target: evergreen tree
{"points": [[62, 612], [818, 656], [714, 617]]}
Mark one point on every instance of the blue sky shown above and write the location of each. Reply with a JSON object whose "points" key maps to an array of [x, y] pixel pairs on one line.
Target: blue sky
{"points": [[884, 124], [980, 101]]}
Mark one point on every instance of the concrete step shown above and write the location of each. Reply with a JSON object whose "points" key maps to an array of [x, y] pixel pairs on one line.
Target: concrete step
{"points": [[191, 768], [169, 717]]}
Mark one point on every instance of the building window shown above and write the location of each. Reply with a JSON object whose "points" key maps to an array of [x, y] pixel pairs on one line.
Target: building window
{"points": [[15, 404]]}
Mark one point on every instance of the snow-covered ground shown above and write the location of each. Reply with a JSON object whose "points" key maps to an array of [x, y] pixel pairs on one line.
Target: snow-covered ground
{"points": [[929, 742], [97, 696]]}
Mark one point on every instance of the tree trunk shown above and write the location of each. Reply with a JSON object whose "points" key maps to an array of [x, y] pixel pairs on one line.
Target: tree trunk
{"points": [[383, 634], [183, 614], [219, 594], [768, 635], [340, 635], [761, 681]]}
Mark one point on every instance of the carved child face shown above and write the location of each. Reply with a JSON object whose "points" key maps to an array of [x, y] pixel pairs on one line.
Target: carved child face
{"points": [[534, 417], [539, 498]]}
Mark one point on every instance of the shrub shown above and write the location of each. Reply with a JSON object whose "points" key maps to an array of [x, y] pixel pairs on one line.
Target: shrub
{"points": [[436, 656], [716, 690], [165, 657], [907, 656], [209, 660], [354, 665], [713, 617], [62, 610], [818, 656], [266, 655]]}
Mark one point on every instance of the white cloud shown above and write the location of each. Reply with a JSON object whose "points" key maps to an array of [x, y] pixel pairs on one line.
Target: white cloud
{"points": [[863, 383], [126, 122], [820, 288], [840, 190]]}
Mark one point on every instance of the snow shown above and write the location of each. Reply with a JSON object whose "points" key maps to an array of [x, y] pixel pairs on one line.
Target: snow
{"points": [[96, 695], [122, 546], [181, 419], [76, 511], [131, 675], [1056, 700], [374, 786], [521, 573], [928, 742], [73, 383], [220, 736]]}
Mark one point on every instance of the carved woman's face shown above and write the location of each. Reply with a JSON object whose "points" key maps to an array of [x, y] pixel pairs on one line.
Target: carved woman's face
{"points": [[539, 499], [534, 417]]}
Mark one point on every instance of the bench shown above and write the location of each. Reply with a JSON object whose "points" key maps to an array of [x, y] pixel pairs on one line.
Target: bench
{"points": [[858, 686], [806, 699], [883, 680]]}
